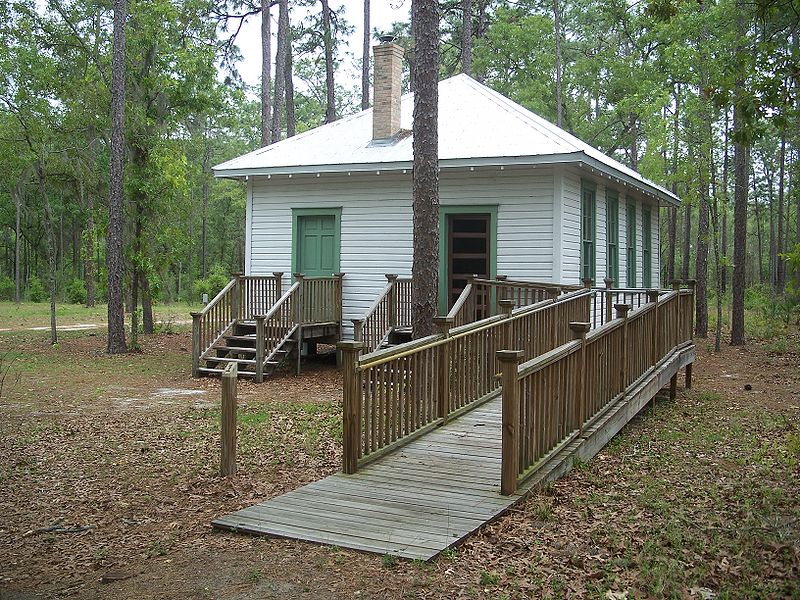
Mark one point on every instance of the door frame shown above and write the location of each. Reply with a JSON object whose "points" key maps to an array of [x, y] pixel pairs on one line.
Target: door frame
{"points": [[446, 211], [298, 213]]}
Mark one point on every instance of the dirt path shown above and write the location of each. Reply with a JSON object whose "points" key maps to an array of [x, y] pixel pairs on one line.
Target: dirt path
{"points": [[695, 499]]}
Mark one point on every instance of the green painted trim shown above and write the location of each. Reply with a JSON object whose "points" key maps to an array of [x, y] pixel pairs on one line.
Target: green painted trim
{"points": [[589, 186], [612, 225], [647, 250], [444, 212], [312, 212], [630, 248]]}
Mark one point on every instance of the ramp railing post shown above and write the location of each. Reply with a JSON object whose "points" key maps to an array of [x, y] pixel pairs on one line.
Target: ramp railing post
{"points": [[652, 296], [227, 463], [299, 315], [622, 313], [351, 405], [261, 339], [196, 343], [443, 368], [236, 298], [509, 469], [580, 412], [506, 308]]}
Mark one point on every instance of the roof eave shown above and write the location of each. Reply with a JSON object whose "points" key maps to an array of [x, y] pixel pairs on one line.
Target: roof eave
{"points": [[577, 158]]}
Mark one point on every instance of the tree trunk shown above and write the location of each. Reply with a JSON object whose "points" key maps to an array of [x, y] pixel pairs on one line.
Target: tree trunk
{"points": [[205, 173], [147, 305], [780, 282], [291, 119], [740, 162], [701, 257], [114, 264], [673, 211], [559, 62], [365, 60], [725, 187], [634, 149], [16, 192], [687, 240], [466, 36], [772, 259], [759, 236], [327, 40], [51, 249], [266, 70], [280, 68], [425, 272]]}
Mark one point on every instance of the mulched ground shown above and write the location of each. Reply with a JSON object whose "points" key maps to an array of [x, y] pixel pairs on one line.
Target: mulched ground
{"points": [[695, 499]]}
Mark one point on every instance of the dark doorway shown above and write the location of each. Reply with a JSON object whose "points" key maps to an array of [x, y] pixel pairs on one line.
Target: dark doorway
{"points": [[468, 251]]}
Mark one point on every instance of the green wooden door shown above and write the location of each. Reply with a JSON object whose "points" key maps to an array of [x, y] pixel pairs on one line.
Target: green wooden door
{"points": [[317, 245]]}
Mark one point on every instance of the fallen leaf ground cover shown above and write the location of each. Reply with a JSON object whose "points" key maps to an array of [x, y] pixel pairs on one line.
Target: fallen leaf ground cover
{"points": [[696, 498]]}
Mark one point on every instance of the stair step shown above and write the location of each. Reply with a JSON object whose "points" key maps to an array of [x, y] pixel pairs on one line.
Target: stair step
{"points": [[250, 338], [212, 371], [241, 361], [235, 349]]}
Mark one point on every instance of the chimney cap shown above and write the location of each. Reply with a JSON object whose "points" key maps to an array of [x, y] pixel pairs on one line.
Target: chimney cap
{"points": [[387, 38]]}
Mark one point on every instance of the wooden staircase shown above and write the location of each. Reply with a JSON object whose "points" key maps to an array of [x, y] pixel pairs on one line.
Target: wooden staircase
{"points": [[257, 326], [239, 346]]}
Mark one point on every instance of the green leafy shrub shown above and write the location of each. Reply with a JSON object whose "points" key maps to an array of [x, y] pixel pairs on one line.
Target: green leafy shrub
{"points": [[211, 285], [76, 292], [6, 288], [36, 291]]}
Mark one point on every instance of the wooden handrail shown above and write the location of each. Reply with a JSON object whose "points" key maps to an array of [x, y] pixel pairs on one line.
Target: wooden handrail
{"points": [[564, 389], [390, 310], [401, 391]]}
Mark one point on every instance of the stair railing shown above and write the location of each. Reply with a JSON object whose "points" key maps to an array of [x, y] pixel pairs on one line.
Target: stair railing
{"points": [[242, 298], [211, 323], [391, 309]]}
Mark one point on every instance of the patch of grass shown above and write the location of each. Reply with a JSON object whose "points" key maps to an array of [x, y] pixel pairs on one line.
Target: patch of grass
{"points": [[489, 578], [254, 575], [37, 314], [389, 560]]}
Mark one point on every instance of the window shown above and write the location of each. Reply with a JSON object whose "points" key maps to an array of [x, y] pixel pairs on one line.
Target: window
{"points": [[631, 250], [587, 230], [646, 262], [612, 235]]}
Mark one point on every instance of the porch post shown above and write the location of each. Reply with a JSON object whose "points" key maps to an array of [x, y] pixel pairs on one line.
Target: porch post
{"points": [[236, 298], [261, 339], [506, 307], [358, 330], [609, 308], [351, 392], [509, 469], [299, 315], [676, 286], [392, 279], [278, 284]]}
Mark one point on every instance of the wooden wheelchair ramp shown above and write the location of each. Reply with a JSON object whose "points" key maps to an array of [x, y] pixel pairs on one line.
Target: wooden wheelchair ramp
{"points": [[413, 503]]}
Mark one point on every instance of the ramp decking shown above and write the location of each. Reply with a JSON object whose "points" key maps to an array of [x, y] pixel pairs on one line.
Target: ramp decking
{"points": [[412, 503], [437, 489]]}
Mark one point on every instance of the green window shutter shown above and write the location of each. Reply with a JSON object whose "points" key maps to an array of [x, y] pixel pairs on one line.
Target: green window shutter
{"points": [[612, 235], [588, 212], [631, 243], [646, 241]]}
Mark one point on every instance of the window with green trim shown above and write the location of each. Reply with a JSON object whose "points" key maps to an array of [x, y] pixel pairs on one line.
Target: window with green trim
{"points": [[612, 235], [588, 211], [631, 249], [646, 240]]}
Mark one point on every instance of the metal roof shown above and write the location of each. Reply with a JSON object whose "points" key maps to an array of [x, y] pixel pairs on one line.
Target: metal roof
{"points": [[477, 127]]}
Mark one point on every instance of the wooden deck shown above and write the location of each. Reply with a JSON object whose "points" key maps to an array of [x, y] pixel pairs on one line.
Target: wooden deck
{"points": [[412, 503], [437, 489]]}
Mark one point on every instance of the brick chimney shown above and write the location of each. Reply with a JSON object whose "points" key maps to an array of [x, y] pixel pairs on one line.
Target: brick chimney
{"points": [[387, 79]]}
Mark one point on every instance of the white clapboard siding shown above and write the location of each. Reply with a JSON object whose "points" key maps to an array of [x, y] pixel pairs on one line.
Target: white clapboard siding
{"points": [[571, 227], [376, 223]]}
